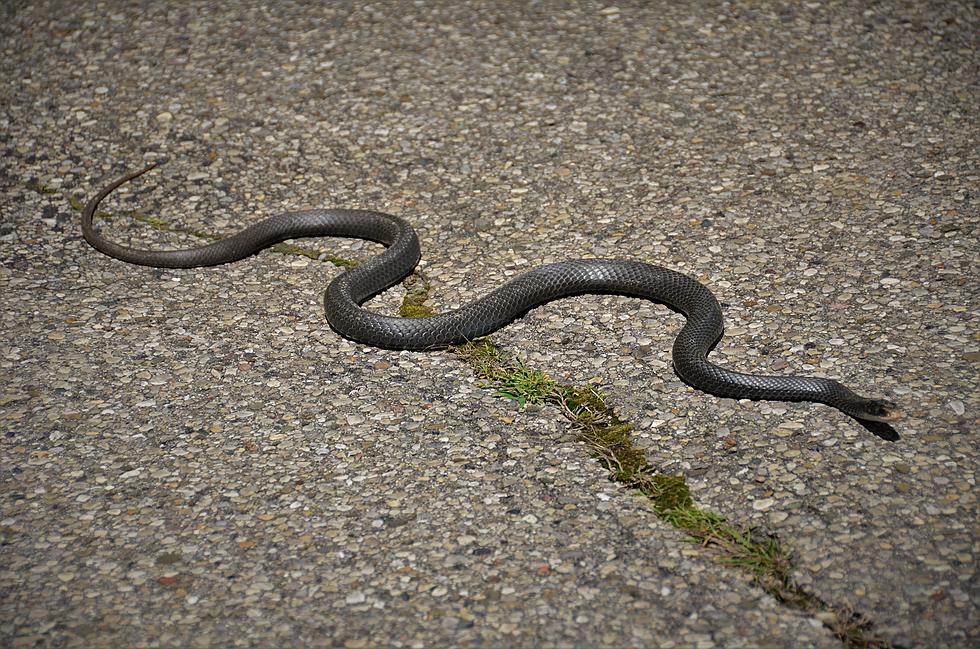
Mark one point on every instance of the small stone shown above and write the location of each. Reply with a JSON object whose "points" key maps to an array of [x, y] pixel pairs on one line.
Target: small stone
{"points": [[777, 517], [355, 597]]}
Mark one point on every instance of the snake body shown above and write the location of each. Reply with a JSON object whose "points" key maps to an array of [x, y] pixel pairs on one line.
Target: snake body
{"points": [[346, 293]]}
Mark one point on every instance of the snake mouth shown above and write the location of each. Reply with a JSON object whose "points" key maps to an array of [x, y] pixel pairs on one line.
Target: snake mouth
{"points": [[880, 410]]}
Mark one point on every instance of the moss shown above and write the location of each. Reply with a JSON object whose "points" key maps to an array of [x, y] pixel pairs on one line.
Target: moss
{"points": [[416, 293], [301, 251], [40, 188], [155, 222], [669, 494], [414, 311], [78, 206], [340, 261]]}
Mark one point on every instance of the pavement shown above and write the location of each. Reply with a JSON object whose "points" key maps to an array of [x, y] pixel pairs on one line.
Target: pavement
{"points": [[192, 458]]}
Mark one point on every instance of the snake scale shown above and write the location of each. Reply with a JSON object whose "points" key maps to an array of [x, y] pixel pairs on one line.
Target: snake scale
{"points": [[345, 294]]}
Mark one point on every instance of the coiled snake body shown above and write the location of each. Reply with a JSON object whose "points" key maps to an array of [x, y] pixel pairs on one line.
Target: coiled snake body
{"points": [[356, 285]]}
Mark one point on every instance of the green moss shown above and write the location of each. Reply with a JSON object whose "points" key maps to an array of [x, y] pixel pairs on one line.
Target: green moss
{"points": [[154, 222], [78, 206], [414, 311], [416, 293], [670, 494], [340, 261], [40, 188], [301, 251]]}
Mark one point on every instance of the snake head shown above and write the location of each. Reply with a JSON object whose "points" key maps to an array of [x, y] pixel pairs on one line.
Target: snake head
{"points": [[879, 410]]}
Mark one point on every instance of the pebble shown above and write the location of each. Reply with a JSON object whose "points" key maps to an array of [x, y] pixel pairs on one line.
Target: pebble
{"points": [[763, 504], [188, 452]]}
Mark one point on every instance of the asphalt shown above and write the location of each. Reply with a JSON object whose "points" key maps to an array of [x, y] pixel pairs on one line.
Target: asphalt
{"points": [[193, 458]]}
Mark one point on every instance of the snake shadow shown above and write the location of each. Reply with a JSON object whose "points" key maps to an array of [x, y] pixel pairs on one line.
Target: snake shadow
{"points": [[880, 429]]}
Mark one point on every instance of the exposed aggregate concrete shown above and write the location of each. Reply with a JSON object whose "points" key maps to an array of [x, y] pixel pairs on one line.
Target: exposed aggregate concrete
{"points": [[193, 458]]}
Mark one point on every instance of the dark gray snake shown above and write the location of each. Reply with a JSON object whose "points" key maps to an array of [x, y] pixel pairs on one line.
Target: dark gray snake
{"points": [[356, 285]]}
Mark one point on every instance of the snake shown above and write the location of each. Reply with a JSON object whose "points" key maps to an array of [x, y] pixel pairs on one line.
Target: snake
{"points": [[346, 293]]}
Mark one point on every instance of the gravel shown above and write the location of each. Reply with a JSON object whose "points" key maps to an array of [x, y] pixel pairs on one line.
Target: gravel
{"points": [[193, 458]]}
